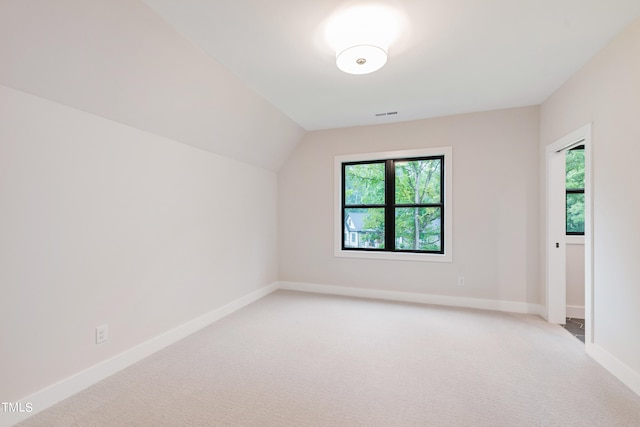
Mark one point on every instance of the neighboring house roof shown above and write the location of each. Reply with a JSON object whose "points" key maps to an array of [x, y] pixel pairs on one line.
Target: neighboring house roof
{"points": [[354, 221]]}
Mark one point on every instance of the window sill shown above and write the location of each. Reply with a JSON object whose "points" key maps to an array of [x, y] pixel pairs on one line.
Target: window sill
{"points": [[393, 256]]}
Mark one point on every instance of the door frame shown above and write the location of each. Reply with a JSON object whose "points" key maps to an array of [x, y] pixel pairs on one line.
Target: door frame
{"points": [[555, 286]]}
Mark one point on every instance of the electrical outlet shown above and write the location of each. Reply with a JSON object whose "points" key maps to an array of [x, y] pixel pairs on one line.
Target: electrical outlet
{"points": [[461, 281], [102, 334]]}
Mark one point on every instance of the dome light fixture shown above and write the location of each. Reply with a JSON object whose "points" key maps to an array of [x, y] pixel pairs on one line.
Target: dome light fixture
{"points": [[361, 36], [361, 59]]}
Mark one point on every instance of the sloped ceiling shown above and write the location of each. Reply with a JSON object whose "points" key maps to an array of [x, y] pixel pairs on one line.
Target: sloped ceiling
{"points": [[246, 78], [119, 60], [454, 56]]}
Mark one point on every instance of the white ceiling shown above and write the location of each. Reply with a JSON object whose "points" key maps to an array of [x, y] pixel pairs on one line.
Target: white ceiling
{"points": [[456, 56]]}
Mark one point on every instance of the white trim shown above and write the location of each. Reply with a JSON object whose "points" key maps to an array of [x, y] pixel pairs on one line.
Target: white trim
{"points": [[448, 205], [452, 301], [589, 302], [55, 393], [555, 242], [612, 364], [575, 311], [391, 256], [556, 298]]}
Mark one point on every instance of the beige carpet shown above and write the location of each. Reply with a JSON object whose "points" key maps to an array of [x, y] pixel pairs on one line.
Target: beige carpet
{"points": [[294, 359]]}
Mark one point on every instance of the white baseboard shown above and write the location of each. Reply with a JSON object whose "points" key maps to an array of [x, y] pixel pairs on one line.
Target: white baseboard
{"points": [[59, 391], [575, 311], [612, 364], [484, 304], [623, 372]]}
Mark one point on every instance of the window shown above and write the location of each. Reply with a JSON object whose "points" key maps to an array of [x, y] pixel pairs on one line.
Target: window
{"points": [[575, 191], [394, 205]]}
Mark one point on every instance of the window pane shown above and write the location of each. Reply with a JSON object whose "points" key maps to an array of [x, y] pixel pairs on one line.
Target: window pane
{"points": [[575, 213], [418, 181], [364, 228], [575, 168], [364, 184], [418, 229]]}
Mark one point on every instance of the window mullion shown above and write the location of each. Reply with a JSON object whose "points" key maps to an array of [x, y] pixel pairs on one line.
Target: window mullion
{"points": [[390, 216]]}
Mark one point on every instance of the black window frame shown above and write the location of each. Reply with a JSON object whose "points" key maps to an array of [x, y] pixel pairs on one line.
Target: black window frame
{"points": [[390, 204], [569, 191]]}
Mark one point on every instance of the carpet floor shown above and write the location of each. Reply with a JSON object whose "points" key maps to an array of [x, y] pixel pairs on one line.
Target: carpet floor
{"points": [[296, 359]]}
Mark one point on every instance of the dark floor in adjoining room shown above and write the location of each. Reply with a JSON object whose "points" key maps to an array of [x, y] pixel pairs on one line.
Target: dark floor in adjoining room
{"points": [[576, 327]]}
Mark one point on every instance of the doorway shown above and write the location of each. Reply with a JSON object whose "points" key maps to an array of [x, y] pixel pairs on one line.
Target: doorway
{"points": [[556, 236]]}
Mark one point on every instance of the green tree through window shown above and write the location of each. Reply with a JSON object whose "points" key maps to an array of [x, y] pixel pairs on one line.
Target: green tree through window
{"points": [[575, 191], [394, 205]]}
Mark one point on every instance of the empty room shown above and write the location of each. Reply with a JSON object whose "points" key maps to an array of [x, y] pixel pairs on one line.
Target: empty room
{"points": [[327, 213]]}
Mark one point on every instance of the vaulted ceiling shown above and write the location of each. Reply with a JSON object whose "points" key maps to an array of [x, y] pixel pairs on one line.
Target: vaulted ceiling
{"points": [[454, 56], [119, 60], [245, 78]]}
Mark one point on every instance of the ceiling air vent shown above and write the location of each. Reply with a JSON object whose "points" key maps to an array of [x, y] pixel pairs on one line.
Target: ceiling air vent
{"points": [[390, 113]]}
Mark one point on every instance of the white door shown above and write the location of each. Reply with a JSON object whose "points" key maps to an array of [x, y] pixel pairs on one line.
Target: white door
{"points": [[556, 249], [556, 234]]}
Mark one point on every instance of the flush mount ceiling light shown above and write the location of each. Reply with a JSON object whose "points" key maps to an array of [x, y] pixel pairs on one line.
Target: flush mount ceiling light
{"points": [[361, 37], [361, 59]]}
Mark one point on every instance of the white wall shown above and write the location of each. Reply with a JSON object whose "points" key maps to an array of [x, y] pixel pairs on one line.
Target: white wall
{"points": [[606, 92], [575, 280], [118, 59], [105, 217], [104, 223], [495, 208]]}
